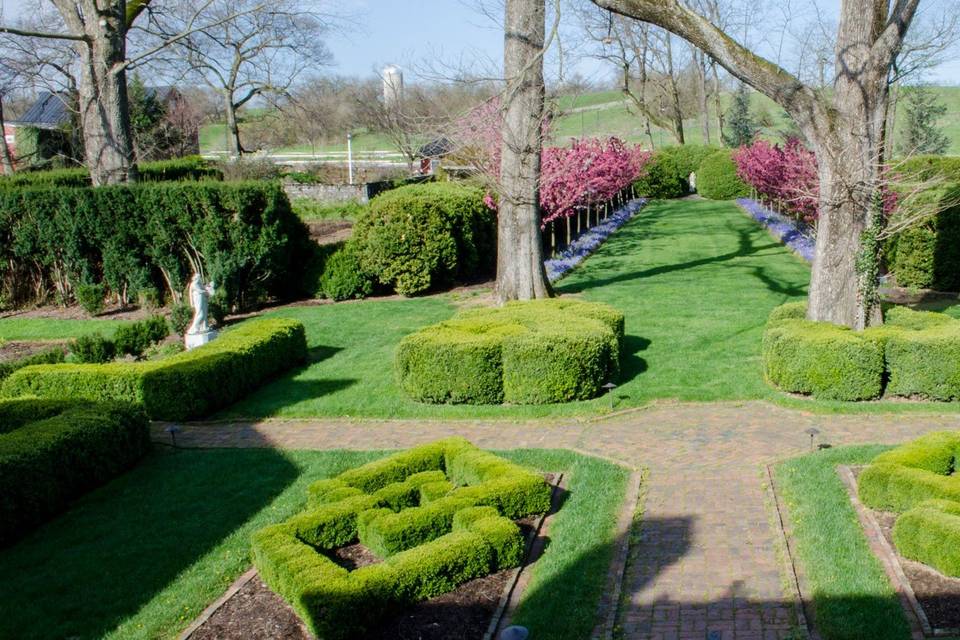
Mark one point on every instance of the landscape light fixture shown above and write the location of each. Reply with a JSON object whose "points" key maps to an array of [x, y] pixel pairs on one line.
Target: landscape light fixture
{"points": [[812, 432], [610, 387], [173, 430], [515, 632]]}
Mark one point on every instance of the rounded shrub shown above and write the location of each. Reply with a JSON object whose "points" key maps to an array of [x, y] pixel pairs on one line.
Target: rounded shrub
{"points": [[926, 255], [90, 297], [342, 277], [919, 470], [662, 178], [689, 157], [93, 349], [823, 360], [930, 533], [717, 177], [420, 236], [534, 352]]}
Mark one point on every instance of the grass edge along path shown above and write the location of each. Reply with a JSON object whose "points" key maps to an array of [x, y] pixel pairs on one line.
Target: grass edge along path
{"points": [[134, 559], [851, 595]]}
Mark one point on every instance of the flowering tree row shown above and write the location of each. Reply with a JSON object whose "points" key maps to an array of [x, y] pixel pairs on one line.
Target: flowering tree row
{"points": [[588, 172], [785, 176]]}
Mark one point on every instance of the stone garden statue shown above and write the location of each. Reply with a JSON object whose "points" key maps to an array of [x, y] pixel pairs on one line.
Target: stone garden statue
{"points": [[200, 332]]}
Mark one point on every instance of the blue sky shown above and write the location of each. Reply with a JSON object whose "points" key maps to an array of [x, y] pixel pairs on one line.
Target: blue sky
{"points": [[408, 32]]}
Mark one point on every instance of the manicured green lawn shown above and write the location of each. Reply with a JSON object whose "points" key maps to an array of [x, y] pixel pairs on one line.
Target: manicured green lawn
{"points": [[851, 594], [143, 556], [52, 328]]}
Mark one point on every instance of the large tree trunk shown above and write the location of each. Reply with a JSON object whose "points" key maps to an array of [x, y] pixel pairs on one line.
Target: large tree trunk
{"points": [[716, 98], [520, 271], [104, 109], [703, 95], [5, 156], [234, 148], [675, 108]]}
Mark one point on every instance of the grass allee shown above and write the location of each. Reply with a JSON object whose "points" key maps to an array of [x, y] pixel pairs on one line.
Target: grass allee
{"points": [[143, 556]]}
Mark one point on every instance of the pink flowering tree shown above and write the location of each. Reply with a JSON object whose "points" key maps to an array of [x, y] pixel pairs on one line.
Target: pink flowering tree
{"points": [[785, 176]]}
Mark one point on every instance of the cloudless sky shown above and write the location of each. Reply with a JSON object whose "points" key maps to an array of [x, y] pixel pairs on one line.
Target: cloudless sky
{"points": [[408, 32]]}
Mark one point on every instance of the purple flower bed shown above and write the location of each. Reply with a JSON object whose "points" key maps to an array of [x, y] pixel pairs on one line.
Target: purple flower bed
{"points": [[588, 241], [795, 235]]}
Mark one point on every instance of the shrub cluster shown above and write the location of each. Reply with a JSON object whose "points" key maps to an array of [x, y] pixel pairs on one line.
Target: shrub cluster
{"points": [[926, 255], [188, 385], [689, 157], [130, 339], [918, 481], [139, 239], [438, 515], [425, 235], [717, 177], [915, 353], [53, 451], [534, 352], [662, 178], [923, 168], [188, 168]]}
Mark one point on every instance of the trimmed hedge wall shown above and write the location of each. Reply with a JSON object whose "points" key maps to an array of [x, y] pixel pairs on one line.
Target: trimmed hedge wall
{"points": [[429, 548], [662, 178], [689, 157], [188, 168], [186, 386], [136, 239], [922, 168], [927, 255], [53, 355], [717, 177], [535, 352], [930, 533], [916, 353], [53, 451], [421, 236]]}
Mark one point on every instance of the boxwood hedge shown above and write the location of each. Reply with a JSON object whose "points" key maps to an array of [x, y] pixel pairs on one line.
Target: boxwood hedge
{"points": [[429, 546], [52, 451], [919, 470], [926, 255], [186, 386], [533, 352], [662, 177], [717, 177], [914, 354], [930, 533]]}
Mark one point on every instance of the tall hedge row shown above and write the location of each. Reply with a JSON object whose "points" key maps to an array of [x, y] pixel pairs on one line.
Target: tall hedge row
{"points": [[145, 238], [926, 255], [189, 168]]}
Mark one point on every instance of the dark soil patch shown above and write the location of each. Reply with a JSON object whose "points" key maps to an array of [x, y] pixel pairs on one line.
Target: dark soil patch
{"points": [[353, 556], [77, 313], [254, 612], [17, 349], [938, 595], [330, 231]]}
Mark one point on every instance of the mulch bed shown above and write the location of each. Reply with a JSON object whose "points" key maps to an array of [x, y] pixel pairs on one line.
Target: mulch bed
{"points": [[256, 613], [330, 231], [16, 349], [77, 313], [937, 594]]}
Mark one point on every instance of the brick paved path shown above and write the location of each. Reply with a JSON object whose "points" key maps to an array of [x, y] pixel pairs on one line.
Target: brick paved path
{"points": [[705, 566]]}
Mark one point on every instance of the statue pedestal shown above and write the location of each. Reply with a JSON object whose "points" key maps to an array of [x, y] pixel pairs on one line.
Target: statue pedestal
{"points": [[193, 340]]}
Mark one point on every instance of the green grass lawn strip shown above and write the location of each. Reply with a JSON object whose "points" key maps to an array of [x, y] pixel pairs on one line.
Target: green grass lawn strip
{"points": [[53, 328]]}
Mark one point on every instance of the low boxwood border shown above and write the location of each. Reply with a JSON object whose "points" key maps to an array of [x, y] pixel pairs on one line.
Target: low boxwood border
{"points": [[185, 386]]}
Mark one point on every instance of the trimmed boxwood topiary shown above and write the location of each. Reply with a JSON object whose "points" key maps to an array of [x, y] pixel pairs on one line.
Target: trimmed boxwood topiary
{"points": [[533, 352], [188, 385], [662, 178], [919, 470], [429, 546], [823, 360], [52, 451], [717, 177], [421, 236], [930, 533], [342, 277], [925, 362]]}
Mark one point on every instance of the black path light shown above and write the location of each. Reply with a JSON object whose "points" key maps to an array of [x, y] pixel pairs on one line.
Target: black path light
{"points": [[813, 432], [173, 430], [610, 387]]}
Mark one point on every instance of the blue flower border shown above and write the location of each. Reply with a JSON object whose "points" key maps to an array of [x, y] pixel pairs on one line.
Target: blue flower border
{"points": [[798, 237], [590, 240]]}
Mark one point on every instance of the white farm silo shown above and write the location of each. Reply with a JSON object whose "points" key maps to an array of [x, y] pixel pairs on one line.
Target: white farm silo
{"points": [[392, 85]]}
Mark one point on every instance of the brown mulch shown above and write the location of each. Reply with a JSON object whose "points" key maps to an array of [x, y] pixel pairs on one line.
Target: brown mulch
{"points": [[257, 613], [938, 595], [16, 349], [77, 313]]}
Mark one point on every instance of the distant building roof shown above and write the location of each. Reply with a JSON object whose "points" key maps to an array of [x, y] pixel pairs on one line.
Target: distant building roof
{"points": [[48, 112], [436, 148]]}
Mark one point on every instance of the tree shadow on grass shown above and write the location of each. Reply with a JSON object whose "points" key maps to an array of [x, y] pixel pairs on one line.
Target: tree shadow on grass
{"points": [[84, 573], [283, 393], [632, 365]]}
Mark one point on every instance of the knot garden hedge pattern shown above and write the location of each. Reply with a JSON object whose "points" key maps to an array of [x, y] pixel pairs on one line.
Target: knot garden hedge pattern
{"points": [[918, 480], [437, 516]]}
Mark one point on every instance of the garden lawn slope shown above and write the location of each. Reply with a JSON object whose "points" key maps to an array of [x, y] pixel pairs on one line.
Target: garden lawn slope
{"points": [[695, 279]]}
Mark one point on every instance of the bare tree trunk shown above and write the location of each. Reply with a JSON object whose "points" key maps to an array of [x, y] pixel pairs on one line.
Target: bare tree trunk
{"points": [[234, 148], [520, 271], [104, 112], [703, 95], [676, 110], [5, 156], [716, 98]]}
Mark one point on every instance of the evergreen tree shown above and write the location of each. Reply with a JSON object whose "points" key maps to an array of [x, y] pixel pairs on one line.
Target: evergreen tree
{"points": [[154, 138], [740, 127], [922, 133]]}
